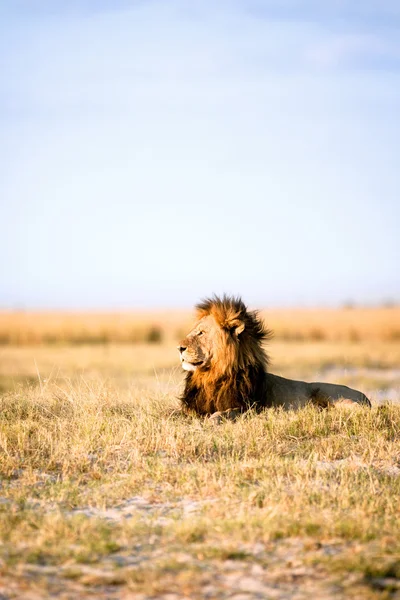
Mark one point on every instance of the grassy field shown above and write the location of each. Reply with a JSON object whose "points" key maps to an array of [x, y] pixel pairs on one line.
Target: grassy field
{"points": [[107, 493]]}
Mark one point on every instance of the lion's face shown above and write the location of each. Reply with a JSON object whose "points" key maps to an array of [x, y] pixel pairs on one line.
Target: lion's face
{"points": [[198, 349]]}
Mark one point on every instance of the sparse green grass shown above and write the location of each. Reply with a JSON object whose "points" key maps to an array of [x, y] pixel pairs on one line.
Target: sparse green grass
{"points": [[105, 486]]}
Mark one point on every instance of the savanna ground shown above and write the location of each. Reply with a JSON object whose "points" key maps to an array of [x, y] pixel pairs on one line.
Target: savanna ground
{"points": [[107, 493]]}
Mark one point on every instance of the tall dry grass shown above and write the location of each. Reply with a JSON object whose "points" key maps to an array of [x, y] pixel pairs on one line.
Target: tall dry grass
{"points": [[273, 490]]}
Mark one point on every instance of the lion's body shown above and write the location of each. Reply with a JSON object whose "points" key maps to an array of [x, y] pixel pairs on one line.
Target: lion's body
{"points": [[295, 394], [226, 366]]}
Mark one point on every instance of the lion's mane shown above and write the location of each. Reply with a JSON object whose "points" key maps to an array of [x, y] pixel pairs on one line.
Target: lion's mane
{"points": [[237, 379]]}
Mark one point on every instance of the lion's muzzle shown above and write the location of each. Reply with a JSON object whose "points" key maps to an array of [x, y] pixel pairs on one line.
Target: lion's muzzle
{"points": [[189, 362]]}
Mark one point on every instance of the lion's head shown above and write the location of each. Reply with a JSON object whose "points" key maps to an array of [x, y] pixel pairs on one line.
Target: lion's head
{"points": [[223, 355]]}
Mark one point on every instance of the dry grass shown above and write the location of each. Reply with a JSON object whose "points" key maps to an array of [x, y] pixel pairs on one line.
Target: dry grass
{"points": [[355, 324], [107, 493], [22, 328], [32, 328]]}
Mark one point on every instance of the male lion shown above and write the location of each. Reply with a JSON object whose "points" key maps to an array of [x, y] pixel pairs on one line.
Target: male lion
{"points": [[226, 366]]}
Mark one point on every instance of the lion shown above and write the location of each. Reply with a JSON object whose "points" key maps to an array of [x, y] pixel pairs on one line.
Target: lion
{"points": [[226, 367]]}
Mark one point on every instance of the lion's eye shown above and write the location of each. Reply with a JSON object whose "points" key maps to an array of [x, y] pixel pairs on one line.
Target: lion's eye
{"points": [[200, 333]]}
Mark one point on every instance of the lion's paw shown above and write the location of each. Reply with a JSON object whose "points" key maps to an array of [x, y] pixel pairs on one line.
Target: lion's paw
{"points": [[231, 414]]}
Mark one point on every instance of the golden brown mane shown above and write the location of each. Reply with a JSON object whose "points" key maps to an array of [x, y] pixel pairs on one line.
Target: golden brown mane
{"points": [[237, 379]]}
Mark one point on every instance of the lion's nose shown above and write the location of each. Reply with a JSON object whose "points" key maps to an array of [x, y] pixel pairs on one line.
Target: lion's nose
{"points": [[181, 349]]}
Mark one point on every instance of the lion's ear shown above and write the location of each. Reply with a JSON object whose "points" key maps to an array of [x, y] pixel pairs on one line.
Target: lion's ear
{"points": [[238, 327], [234, 326]]}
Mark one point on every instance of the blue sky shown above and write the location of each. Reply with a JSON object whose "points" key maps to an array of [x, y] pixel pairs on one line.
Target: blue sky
{"points": [[155, 152]]}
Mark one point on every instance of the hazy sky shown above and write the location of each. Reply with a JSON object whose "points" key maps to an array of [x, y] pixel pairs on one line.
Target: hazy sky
{"points": [[154, 152]]}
